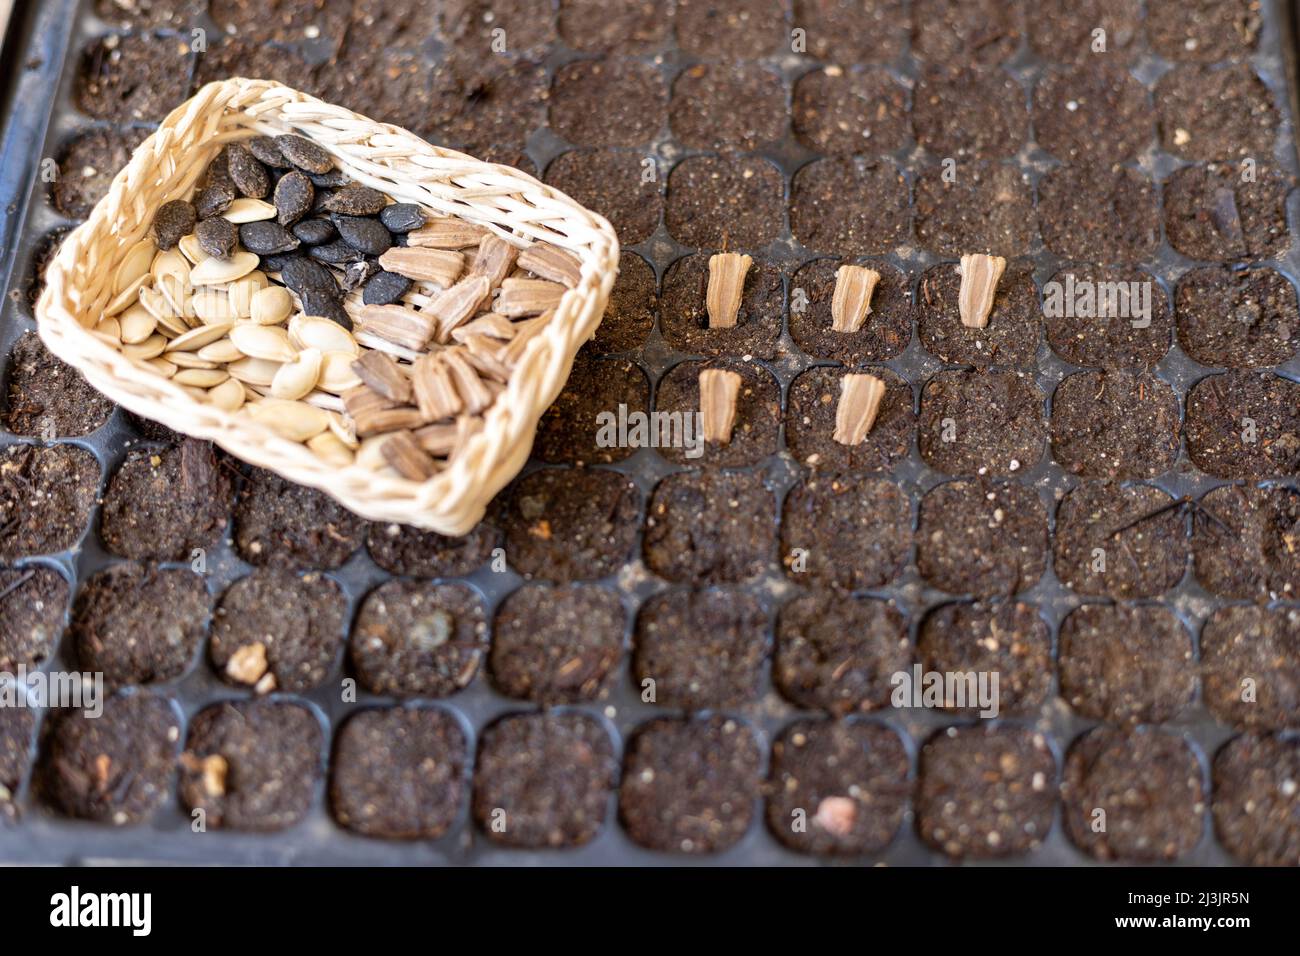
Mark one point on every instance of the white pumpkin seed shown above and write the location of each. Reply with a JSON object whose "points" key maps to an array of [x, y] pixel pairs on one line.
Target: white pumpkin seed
{"points": [[296, 421], [202, 377], [189, 360], [171, 263], [163, 367], [312, 332], [136, 324], [110, 328], [134, 264], [327, 447], [254, 371], [190, 248], [271, 305], [370, 453], [228, 396], [336, 373], [241, 293], [248, 210], [222, 350], [297, 378], [197, 338], [344, 429], [152, 347], [215, 271], [126, 297], [268, 342], [212, 306]]}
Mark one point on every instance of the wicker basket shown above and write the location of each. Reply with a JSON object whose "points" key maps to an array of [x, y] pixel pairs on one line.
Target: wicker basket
{"points": [[512, 204]]}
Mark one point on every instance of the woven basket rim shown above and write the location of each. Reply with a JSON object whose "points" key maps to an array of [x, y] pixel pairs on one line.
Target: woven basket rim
{"points": [[511, 203]]}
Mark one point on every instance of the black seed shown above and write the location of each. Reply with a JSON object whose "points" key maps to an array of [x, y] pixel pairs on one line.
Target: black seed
{"points": [[172, 221], [367, 235], [314, 232], [277, 263], [335, 253], [356, 200], [303, 276], [218, 171], [247, 173], [267, 238], [326, 306], [214, 199], [217, 237], [335, 177], [402, 217], [294, 195], [385, 288], [264, 148], [305, 154], [358, 273]]}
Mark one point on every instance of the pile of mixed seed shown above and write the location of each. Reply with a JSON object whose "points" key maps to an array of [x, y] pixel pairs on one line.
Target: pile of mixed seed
{"points": [[363, 327]]}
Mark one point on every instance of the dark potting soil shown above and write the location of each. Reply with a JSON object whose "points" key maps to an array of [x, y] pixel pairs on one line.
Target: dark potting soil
{"points": [[631, 310], [987, 207], [16, 727], [836, 788], [415, 638], [398, 773], [730, 29], [689, 784], [278, 631], [87, 167], [827, 199], [42, 254], [1008, 638], [281, 21], [758, 414], [140, 624], [970, 114], [884, 334], [848, 533], [402, 549], [1148, 785], [115, 767], [1246, 542], [608, 102], [1092, 114], [1204, 30], [853, 31], [543, 780], [1256, 801], [1099, 213], [33, 600], [704, 113], [1215, 113], [46, 493], [710, 527], [700, 649], [810, 423], [1240, 319], [842, 112], [147, 14], [1250, 666], [1011, 336], [251, 764], [614, 26], [232, 57], [611, 184], [1213, 213], [48, 399], [684, 320], [985, 423], [132, 79], [284, 525], [985, 792], [571, 431], [1117, 424], [837, 654], [162, 504], [557, 644], [1063, 31], [956, 33], [981, 538], [1244, 425], [1102, 332], [1126, 663], [719, 203], [1121, 541], [568, 524]]}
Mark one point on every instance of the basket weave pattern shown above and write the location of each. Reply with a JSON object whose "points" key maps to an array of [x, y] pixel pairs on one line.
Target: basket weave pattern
{"points": [[513, 205]]}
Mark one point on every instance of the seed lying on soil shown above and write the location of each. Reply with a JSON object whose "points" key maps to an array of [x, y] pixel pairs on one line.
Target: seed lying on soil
{"points": [[173, 220], [851, 302], [293, 198], [305, 154], [401, 217], [719, 389], [860, 397], [727, 272], [979, 284], [217, 236], [248, 175]]}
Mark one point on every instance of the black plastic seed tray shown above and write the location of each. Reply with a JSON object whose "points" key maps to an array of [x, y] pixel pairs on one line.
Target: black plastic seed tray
{"points": [[41, 52]]}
